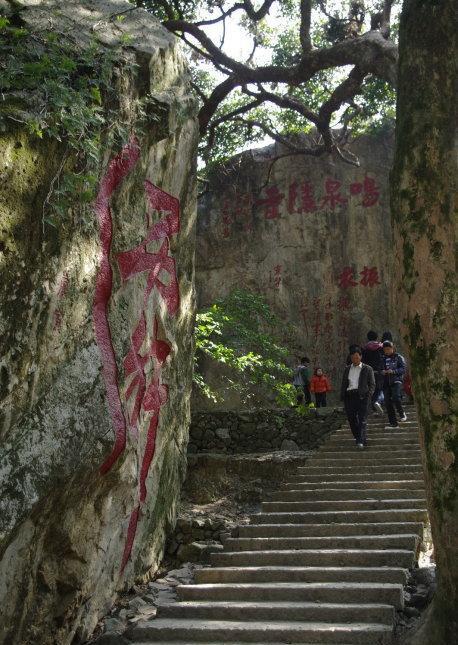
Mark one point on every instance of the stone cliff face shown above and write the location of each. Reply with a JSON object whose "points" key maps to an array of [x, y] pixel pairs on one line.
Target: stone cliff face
{"points": [[95, 344], [313, 235]]}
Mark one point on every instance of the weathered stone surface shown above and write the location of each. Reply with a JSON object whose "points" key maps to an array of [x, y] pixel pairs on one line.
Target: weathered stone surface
{"points": [[63, 524], [313, 236], [260, 430], [287, 444]]}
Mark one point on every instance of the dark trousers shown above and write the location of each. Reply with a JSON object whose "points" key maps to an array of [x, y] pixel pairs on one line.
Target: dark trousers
{"points": [[307, 395], [392, 394], [320, 399], [356, 409]]}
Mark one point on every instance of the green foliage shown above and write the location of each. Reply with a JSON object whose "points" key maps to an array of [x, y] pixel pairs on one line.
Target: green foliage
{"points": [[61, 90], [241, 332]]}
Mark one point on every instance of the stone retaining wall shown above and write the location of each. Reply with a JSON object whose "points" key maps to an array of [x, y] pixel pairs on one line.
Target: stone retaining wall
{"points": [[259, 430]]}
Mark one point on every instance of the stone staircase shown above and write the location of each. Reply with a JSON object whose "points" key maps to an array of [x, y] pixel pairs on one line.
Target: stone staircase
{"points": [[325, 560]]}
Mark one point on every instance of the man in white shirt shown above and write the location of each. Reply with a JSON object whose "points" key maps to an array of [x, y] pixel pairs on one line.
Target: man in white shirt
{"points": [[358, 385]]}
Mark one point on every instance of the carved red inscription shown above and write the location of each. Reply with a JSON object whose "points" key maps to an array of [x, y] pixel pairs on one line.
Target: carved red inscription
{"points": [[145, 393]]}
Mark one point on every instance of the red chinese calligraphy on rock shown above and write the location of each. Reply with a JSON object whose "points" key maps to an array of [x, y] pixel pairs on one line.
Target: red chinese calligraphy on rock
{"points": [[143, 364], [271, 203], [369, 277], [368, 188], [118, 169], [333, 196], [347, 278], [303, 194], [149, 397]]}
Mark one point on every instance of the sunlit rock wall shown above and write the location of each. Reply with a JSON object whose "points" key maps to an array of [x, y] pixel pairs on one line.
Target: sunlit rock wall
{"points": [[95, 346], [313, 235]]}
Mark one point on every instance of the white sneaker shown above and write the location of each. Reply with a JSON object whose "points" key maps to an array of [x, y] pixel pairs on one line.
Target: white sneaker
{"points": [[391, 427], [360, 446], [404, 417], [378, 408]]}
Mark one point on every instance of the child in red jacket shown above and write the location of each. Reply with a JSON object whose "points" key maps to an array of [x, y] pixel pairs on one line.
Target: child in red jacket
{"points": [[320, 386]]}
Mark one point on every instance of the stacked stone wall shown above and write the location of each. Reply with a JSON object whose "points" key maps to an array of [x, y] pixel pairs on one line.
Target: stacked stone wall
{"points": [[259, 431]]}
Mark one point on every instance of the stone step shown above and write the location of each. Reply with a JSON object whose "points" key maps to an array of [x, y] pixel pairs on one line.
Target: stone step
{"points": [[280, 611], [316, 557], [207, 642], [348, 445], [341, 505], [348, 469], [388, 437], [327, 494], [381, 422], [385, 436], [394, 575], [320, 517], [359, 458], [369, 452], [204, 631], [401, 484], [382, 432], [401, 541], [329, 530], [350, 476], [352, 592]]}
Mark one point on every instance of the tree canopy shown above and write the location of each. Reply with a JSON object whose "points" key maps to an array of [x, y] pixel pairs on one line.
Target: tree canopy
{"points": [[317, 66]]}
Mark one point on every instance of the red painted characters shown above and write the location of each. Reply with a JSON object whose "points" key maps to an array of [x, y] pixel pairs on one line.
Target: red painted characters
{"points": [[300, 198], [369, 277], [145, 393]]}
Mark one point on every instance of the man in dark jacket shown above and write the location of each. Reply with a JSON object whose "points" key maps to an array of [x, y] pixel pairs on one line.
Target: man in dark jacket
{"points": [[358, 385], [394, 369], [373, 356]]}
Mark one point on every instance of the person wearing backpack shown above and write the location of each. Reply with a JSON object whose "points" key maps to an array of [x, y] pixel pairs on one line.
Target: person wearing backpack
{"points": [[301, 379], [394, 369], [373, 356]]}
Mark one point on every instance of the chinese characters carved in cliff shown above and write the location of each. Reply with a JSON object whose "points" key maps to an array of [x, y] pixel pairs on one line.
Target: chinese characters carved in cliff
{"points": [[145, 393]]}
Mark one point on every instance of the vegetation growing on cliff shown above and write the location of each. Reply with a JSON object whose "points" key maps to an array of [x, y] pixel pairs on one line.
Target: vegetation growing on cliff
{"points": [[60, 88]]}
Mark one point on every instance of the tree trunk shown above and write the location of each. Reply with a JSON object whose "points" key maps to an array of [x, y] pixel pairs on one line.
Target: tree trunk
{"points": [[424, 217]]}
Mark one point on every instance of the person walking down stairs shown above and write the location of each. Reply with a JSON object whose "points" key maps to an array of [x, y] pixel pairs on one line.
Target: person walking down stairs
{"points": [[394, 369], [324, 562], [358, 386]]}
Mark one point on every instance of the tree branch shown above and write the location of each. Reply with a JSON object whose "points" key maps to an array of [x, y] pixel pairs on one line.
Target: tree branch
{"points": [[227, 117], [271, 133], [218, 95], [285, 101], [371, 52], [342, 94], [259, 14], [306, 21]]}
